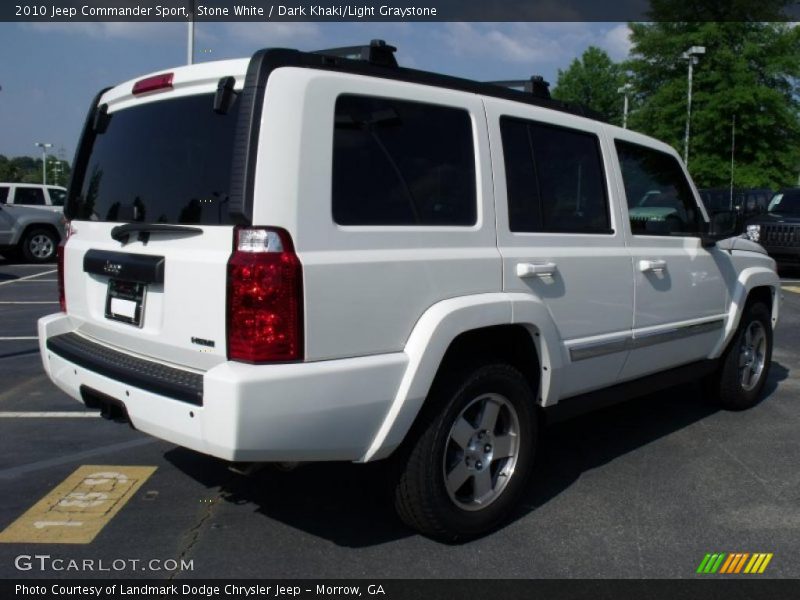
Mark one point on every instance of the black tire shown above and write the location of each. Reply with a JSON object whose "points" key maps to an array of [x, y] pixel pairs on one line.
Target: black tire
{"points": [[422, 498], [39, 245], [730, 387]]}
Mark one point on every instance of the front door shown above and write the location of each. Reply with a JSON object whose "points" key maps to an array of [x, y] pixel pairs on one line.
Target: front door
{"points": [[681, 294]]}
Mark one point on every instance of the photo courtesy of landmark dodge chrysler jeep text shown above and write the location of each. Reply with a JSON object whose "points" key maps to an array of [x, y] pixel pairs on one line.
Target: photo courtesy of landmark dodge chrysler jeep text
{"points": [[325, 257]]}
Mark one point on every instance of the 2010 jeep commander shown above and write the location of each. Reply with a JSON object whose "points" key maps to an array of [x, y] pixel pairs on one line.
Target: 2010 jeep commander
{"points": [[323, 256]]}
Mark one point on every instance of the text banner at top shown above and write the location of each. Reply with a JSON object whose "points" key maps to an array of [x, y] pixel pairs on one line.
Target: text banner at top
{"points": [[389, 10]]}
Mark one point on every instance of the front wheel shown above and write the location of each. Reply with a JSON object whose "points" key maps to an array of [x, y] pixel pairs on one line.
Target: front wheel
{"points": [[470, 455], [745, 364]]}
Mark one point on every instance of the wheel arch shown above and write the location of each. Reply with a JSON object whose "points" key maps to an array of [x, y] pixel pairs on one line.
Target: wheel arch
{"points": [[449, 333], [32, 226], [753, 284]]}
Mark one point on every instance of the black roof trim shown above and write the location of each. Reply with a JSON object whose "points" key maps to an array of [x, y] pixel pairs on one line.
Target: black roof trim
{"points": [[378, 52], [536, 85]]}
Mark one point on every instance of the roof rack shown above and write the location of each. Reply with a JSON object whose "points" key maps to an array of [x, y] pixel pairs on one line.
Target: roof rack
{"points": [[536, 85], [377, 53]]}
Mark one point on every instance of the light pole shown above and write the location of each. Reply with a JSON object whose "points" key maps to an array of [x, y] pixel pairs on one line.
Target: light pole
{"points": [[56, 164], [44, 146], [625, 89], [692, 55]]}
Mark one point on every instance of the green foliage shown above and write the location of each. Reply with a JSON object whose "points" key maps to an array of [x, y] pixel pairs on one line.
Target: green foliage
{"points": [[25, 169], [749, 72], [593, 82]]}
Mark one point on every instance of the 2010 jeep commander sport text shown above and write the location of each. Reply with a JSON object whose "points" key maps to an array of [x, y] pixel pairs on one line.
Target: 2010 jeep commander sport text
{"points": [[323, 256]]}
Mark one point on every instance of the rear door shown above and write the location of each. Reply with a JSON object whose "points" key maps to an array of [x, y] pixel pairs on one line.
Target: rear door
{"points": [[162, 159], [558, 235]]}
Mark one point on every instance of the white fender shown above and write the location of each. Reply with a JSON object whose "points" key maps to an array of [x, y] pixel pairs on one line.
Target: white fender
{"points": [[430, 339], [747, 280]]}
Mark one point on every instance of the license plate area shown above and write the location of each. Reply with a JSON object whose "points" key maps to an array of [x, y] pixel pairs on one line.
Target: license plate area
{"points": [[125, 301]]}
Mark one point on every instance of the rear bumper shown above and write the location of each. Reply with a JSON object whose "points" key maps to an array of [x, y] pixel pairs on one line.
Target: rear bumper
{"points": [[328, 410]]}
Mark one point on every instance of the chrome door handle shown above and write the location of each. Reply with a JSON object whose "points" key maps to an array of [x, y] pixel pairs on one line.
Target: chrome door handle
{"points": [[654, 266], [535, 269]]}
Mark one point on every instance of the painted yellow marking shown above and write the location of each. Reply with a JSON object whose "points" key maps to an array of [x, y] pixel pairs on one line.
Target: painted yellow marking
{"points": [[792, 288], [79, 507], [764, 564]]}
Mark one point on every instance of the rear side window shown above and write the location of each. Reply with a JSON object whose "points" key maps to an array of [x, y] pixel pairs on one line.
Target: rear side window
{"points": [[3, 195], [402, 163], [29, 195], [660, 201], [554, 178], [161, 162]]}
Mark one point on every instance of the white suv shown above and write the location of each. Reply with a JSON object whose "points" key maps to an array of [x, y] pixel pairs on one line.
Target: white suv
{"points": [[310, 257], [33, 194]]}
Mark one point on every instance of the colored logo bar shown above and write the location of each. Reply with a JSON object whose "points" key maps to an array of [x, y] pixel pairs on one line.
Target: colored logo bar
{"points": [[735, 563]]}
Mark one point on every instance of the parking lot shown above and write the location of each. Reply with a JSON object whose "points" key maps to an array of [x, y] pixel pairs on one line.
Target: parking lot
{"points": [[643, 489]]}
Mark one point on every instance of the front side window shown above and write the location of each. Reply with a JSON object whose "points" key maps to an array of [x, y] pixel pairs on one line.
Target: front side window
{"points": [[785, 203], [29, 195], [57, 197], [402, 163], [554, 179], [660, 200]]}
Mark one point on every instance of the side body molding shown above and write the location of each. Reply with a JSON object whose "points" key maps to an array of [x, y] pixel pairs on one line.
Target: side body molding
{"points": [[427, 345]]}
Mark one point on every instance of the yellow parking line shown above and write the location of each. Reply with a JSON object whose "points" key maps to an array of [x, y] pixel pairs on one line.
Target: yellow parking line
{"points": [[77, 509], [792, 288]]}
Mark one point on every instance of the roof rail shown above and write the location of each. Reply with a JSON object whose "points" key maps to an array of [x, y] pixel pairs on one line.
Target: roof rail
{"points": [[377, 53], [536, 85]]}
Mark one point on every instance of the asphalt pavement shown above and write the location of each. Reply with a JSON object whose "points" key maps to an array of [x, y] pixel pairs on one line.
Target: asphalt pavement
{"points": [[643, 489]]}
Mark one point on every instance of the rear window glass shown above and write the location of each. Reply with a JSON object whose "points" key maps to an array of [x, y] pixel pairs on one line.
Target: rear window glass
{"points": [[161, 162], [402, 163]]}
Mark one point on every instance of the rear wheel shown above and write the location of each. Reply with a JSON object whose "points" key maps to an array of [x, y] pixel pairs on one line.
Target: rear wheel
{"points": [[471, 454], [39, 245], [745, 364]]}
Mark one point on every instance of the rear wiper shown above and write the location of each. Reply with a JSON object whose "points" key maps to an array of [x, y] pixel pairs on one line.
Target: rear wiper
{"points": [[122, 233]]}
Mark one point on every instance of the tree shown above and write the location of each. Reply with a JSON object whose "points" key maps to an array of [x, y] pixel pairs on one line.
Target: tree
{"points": [[26, 169], [749, 73], [593, 81]]}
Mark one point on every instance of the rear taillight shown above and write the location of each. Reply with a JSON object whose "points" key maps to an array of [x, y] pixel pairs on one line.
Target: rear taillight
{"points": [[265, 295], [62, 296]]}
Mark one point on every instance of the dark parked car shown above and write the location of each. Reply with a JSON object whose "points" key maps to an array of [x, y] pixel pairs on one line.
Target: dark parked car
{"points": [[745, 202], [778, 229]]}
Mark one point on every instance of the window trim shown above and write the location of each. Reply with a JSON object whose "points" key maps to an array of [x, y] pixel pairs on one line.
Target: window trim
{"points": [[607, 192]]}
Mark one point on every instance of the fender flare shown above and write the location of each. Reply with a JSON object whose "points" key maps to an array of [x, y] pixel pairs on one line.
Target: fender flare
{"points": [[426, 347], [748, 279]]}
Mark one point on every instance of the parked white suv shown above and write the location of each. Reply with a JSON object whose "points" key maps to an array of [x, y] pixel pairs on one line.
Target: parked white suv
{"points": [[308, 257], [33, 194]]}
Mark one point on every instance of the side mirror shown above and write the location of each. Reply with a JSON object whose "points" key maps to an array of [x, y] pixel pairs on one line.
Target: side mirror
{"points": [[721, 225]]}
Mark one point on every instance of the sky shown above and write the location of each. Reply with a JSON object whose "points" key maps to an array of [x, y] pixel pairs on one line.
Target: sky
{"points": [[49, 72]]}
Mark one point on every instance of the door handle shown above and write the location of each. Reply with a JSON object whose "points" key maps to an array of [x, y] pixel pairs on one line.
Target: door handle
{"points": [[654, 266], [535, 269]]}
